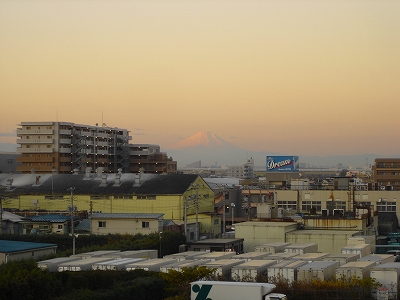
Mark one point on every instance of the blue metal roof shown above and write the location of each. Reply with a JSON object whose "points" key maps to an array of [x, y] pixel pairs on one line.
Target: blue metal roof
{"points": [[83, 225], [49, 218], [16, 246]]}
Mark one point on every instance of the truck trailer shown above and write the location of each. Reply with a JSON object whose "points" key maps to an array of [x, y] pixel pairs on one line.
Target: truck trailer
{"points": [[52, 264], [249, 270], [302, 248], [389, 276], [317, 270], [225, 290], [116, 264], [274, 247]]}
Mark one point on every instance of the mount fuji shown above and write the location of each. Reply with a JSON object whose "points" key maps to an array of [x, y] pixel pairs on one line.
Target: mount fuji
{"points": [[211, 150]]}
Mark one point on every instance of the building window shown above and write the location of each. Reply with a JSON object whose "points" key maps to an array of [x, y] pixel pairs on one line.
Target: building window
{"points": [[386, 206], [102, 224], [145, 224], [311, 205], [287, 205], [60, 226]]}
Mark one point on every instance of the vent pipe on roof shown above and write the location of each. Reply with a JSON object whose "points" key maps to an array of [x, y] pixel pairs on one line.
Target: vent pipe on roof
{"points": [[117, 179], [54, 171], [33, 171], [137, 180], [76, 171], [99, 171], [103, 179], [9, 183], [87, 172]]}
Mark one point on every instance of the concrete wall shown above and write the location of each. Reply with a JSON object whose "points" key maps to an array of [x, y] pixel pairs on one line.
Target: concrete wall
{"points": [[329, 241], [257, 233]]}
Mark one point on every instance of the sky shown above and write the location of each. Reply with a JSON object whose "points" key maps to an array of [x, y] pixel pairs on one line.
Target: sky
{"points": [[295, 77]]}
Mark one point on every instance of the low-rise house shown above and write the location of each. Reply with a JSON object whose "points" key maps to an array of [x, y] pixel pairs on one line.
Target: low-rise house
{"points": [[126, 223], [51, 223]]}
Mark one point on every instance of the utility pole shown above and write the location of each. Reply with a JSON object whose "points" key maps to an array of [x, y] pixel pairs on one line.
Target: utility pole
{"points": [[197, 213], [71, 189], [223, 214], [185, 220], [249, 205]]}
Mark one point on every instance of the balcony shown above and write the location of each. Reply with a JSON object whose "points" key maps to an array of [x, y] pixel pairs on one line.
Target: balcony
{"points": [[64, 150], [102, 151], [65, 141], [34, 131], [34, 150], [66, 131], [102, 143], [35, 141]]}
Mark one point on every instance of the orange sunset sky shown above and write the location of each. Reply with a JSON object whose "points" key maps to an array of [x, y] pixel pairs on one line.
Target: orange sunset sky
{"points": [[295, 77]]}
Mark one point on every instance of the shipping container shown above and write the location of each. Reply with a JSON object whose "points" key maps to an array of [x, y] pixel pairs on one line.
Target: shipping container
{"points": [[251, 255], [286, 269], [216, 255], [360, 249], [95, 253], [52, 264], [363, 239], [378, 258], [117, 264], [274, 247], [281, 256], [341, 258], [179, 265], [317, 270], [310, 256], [223, 267], [150, 264], [149, 254], [82, 264], [359, 269], [188, 255], [302, 248], [249, 270], [388, 275]]}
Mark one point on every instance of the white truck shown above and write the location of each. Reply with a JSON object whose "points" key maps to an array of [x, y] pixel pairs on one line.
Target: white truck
{"points": [[227, 290]]}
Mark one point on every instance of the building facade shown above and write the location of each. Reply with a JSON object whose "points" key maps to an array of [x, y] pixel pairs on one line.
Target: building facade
{"points": [[125, 223], [386, 173], [63, 148]]}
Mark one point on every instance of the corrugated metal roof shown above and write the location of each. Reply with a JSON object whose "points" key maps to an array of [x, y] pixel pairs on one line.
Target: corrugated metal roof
{"points": [[58, 184], [84, 225], [52, 218], [125, 216], [16, 246]]}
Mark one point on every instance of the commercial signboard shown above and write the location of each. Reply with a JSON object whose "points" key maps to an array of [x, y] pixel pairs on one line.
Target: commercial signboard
{"points": [[282, 163]]}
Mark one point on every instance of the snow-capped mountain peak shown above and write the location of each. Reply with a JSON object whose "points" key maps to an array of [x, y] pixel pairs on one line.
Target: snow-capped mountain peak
{"points": [[204, 139]]}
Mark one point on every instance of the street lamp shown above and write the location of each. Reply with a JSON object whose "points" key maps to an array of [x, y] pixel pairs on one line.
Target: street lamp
{"points": [[159, 235]]}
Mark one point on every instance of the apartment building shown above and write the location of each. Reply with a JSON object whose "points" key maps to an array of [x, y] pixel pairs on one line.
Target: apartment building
{"points": [[64, 148], [386, 173]]}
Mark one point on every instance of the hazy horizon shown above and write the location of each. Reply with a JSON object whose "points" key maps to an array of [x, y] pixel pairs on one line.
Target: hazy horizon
{"points": [[294, 77]]}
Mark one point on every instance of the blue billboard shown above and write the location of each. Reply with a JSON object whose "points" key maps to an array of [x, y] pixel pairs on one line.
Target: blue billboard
{"points": [[282, 163]]}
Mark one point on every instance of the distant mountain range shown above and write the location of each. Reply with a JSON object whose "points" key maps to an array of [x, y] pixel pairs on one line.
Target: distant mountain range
{"points": [[213, 151]]}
